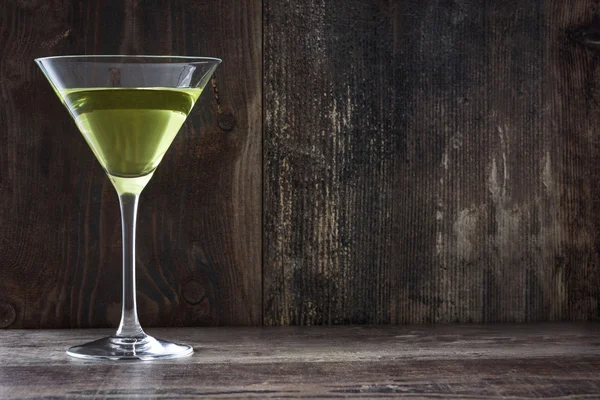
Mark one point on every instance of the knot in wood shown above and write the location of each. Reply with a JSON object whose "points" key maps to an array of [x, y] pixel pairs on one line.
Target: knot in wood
{"points": [[193, 292], [226, 121], [8, 314], [588, 35]]}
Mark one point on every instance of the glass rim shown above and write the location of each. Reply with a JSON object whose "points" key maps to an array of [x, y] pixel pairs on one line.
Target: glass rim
{"points": [[150, 57]]}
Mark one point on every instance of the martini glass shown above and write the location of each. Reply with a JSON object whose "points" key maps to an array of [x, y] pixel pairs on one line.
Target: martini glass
{"points": [[129, 109]]}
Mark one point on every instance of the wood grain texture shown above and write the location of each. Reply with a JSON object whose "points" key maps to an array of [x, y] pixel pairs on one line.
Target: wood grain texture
{"points": [[199, 238], [424, 161], [430, 161], [492, 362]]}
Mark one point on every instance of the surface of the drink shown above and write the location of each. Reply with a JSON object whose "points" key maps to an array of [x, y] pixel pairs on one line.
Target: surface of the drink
{"points": [[130, 129]]}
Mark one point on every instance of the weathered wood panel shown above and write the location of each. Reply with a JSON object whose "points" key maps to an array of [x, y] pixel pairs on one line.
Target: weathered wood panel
{"points": [[330, 148], [430, 161], [199, 238], [464, 362]]}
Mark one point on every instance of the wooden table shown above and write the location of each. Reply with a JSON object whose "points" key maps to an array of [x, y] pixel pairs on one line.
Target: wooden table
{"points": [[469, 361]]}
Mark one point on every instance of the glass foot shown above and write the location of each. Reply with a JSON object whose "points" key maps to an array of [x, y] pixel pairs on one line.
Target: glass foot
{"points": [[142, 348]]}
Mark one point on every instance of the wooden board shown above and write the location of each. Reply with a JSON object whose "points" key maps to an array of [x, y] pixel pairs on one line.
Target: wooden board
{"points": [[430, 161], [424, 161], [199, 237], [459, 362]]}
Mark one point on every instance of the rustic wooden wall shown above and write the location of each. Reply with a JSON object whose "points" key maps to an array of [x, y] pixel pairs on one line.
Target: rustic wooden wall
{"points": [[199, 235], [430, 161], [420, 161]]}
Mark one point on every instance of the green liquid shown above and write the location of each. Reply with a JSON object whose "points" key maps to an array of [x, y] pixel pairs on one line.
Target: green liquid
{"points": [[129, 129]]}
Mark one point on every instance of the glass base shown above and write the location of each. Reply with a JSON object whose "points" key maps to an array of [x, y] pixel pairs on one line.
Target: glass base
{"points": [[142, 348]]}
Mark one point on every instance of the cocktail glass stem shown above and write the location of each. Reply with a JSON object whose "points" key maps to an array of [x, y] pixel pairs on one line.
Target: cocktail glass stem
{"points": [[130, 325]]}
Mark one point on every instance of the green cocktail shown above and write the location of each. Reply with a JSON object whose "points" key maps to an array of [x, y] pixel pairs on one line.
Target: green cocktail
{"points": [[129, 129]]}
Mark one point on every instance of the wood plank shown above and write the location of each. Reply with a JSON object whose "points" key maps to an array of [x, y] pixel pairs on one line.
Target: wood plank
{"points": [[421, 362], [330, 147], [430, 161], [199, 240]]}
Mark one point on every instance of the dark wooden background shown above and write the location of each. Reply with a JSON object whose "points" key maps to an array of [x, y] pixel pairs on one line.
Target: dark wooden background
{"points": [[431, 161], [352, 162], [199, 230]]}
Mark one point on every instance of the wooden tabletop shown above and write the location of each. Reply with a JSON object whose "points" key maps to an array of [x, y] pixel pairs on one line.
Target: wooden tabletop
{"points": [[469, 361]]}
